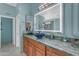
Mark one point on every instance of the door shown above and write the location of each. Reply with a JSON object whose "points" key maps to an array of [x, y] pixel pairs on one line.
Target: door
{"points": [[39, 52], [30, 51], [6, 30]]}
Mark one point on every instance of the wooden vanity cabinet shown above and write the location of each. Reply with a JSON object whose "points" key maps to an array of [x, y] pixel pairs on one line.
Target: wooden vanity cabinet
{"points": [[33, 48], [54, 52], [30, 50], [39, 52], [25, 46]]}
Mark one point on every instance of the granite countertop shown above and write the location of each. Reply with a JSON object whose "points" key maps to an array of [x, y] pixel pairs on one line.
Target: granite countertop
{"points": [[64, 46]]}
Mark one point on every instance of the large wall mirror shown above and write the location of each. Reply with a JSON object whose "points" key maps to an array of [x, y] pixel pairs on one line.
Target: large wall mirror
{"points": [[49, 19]]}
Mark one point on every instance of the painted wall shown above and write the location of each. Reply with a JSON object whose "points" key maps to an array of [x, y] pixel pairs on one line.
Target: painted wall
{"points": [[34, 10], [6, 10], [75, 19], [68, 19], [23, 11], [71, 19]]}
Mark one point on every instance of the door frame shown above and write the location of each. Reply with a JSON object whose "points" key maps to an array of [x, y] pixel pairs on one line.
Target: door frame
{"points": [[13, 31]]}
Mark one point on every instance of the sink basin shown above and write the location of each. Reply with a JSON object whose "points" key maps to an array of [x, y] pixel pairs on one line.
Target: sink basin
{"points": [[39, 35]]}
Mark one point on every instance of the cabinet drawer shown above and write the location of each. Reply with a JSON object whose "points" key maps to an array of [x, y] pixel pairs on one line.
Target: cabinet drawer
{"points": [[55, 51]]}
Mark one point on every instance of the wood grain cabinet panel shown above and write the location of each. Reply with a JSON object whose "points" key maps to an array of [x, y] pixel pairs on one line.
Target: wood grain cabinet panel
{"points": [[54, 52], [39, 52], [34, 48], [25, 46], [30, 51], [37, 44], [48, 53]]}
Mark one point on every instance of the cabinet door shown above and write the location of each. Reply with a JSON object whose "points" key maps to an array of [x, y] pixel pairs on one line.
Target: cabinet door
{"points": [[26, 50], [25, 46], [49, 53], [30, 51], [53, 52], [39, 52]]}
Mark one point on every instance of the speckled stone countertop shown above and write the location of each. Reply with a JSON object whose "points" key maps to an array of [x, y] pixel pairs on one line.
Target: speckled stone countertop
{"points": [[64, 46]]}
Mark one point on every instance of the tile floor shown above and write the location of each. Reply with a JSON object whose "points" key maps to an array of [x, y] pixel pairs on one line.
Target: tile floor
{"points": [[9, 50]]}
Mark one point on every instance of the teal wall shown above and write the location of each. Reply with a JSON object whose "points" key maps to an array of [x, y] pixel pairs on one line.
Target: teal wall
{"points": [[34, 8], [23, 10], [68, 14], [26, 12], [8, 10], [71, 20], [76, 19]]}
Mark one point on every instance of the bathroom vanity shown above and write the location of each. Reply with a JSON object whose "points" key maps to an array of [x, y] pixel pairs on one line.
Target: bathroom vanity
{"points": [[35, 48], [46, 47]]}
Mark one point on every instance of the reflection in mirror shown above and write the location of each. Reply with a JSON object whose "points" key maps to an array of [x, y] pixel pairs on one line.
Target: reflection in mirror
{"points": [[49, 19], [52, 24]]}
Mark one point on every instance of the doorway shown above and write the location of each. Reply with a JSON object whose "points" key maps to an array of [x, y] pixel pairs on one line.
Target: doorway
{"points": [[7, 31]]}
